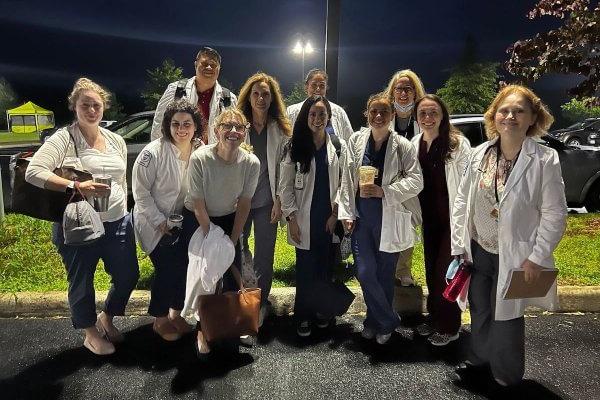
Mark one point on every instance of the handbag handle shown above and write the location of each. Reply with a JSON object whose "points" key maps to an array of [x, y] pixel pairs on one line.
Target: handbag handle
{"points": [[74, 146]]}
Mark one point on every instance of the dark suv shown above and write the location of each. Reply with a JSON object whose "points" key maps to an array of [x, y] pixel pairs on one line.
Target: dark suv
{"points": [[586, 132], [580, 166]]}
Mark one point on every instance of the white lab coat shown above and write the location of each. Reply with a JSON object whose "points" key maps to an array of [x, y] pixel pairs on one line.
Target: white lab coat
{"points": [[454, 167], [339, 119], [401, 181], [299, 200], [210, 256], [156, 183], [276, 141], [192, 96], [532, 219]]}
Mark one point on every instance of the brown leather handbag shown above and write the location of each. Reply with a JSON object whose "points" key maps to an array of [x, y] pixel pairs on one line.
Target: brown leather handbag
{"points": [[230, 315], [37, 202]]}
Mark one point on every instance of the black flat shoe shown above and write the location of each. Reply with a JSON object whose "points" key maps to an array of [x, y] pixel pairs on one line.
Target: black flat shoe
{"points": [[466, 371]]}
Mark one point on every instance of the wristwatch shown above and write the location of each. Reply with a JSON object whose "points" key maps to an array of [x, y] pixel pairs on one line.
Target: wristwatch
{"points": [[70, 187]]}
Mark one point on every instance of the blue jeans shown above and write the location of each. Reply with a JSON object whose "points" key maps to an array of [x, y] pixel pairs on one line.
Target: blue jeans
{"points": [[374, 269], [117, 250]]}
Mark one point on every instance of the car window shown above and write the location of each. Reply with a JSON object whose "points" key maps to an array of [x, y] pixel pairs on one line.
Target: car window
{"points": [[473, 131], [576, 125], [551, 142], [137, 131], [595, 126]]}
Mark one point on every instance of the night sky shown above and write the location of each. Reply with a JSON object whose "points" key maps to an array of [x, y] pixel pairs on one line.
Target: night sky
{"points": [[46, 45]]}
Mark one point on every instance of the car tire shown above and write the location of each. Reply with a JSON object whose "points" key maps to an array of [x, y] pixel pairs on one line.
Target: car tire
{"points": [[574, 141], [592, 202]]}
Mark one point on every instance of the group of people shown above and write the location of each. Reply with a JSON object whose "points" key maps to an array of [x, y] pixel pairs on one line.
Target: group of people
{"points": [[246, 162]]}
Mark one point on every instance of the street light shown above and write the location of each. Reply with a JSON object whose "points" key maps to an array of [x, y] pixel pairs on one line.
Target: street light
{"points": [[303, 47]]}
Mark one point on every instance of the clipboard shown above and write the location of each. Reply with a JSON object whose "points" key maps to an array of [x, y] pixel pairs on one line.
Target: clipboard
{"points": [[517, 288]]}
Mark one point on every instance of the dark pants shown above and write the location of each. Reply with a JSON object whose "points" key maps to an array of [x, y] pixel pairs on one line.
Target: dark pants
{"points": [[312, 266], [170, 273], [265, 235], [444, 315], [374, 269], [499, 343], [117, 250]]}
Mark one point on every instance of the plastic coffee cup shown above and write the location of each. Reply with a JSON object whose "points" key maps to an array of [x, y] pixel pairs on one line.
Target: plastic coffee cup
{"points": [[174, 223], [175, 220], [101, 202], [366, 174]]}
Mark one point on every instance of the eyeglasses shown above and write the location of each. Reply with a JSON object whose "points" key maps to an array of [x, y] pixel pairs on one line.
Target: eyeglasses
{"points": [[425, 114], [186, 125], [316, 86], [406, 89], [230, 127]]}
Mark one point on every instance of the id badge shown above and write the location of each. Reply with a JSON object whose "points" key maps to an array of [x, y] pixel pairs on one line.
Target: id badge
{"points": [[299, 181]]}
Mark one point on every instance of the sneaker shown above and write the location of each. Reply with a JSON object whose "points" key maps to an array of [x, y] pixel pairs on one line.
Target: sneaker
{"points": [[442, 339], [367, 333], [247, 340], [322, 323], [424, 329], [303, 329], [382, 338]]}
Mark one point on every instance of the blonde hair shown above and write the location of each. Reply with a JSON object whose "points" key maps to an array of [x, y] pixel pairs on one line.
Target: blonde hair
{"points": [[543, 117], [231, 112], [414, 79], [382, 97], [276, 110], [87, 84]]}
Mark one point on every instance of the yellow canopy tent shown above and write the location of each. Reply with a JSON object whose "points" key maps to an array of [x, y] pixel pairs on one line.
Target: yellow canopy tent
{"points": [[29, 118]]}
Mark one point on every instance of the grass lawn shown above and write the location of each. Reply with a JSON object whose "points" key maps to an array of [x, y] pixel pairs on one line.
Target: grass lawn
{"points": [[29, 262], [10, 137]]}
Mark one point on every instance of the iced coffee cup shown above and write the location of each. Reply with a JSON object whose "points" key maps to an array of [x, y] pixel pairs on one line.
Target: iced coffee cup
{"points": [[366, 175]]}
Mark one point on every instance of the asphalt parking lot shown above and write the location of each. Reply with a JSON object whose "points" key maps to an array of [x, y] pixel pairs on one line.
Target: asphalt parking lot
{"points": [[43, 358]]}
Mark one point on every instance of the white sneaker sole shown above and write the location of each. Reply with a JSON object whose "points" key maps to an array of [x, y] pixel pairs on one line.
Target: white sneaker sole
{"points": [[441, 344]]}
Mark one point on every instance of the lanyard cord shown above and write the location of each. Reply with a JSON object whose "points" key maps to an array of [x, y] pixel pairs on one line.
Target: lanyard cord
{"points": [[506, 170]]}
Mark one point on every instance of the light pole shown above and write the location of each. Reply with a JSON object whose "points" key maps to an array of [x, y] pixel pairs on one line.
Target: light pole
{"points": [[303, 47]]}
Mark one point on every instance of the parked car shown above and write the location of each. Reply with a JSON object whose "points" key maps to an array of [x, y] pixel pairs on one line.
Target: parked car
{"points": [[580, 164], [135, 130], [586, 132]]}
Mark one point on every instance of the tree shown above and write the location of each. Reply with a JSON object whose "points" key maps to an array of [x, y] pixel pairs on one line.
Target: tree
{"points": [[577, 110], [8, 99], [572, 48], [472, 85], [297, 95], [115, 112], [158, 80]]}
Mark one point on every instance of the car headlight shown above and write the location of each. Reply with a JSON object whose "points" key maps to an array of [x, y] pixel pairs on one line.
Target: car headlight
{"points": [[593, 136]]}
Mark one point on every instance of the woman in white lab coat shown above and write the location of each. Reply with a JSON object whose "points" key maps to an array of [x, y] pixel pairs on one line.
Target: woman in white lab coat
{"points": [[443, 154], [310, 180], [510, 212], [381, 225], [159, 183], [261, 101]]}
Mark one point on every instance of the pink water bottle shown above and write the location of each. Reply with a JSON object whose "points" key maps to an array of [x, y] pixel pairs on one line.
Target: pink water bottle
{"points": [[457, 283]]}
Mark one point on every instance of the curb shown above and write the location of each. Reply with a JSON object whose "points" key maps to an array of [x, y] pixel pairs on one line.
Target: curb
{"points": [[408, 300]]}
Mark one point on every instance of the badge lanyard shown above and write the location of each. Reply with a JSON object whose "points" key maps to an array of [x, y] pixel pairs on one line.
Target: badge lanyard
{"points": [[495, 212]]}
